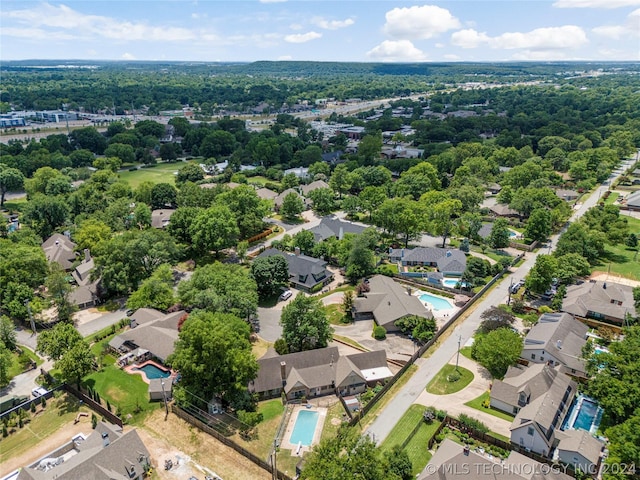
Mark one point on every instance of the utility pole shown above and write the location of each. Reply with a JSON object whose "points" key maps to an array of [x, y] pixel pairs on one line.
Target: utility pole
{"points": [[274, 472], [510, 287], [164, 397], [458, 353], [33, 323]]}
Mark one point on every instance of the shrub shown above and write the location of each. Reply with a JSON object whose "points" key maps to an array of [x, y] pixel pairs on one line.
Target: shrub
{"points": [[379, 333], [250, 418], [43, 402], [5, 432], [544, 309], [386, 270], [471, 423], [33, 407], [94, 421], [453, 377], [281, 346]]}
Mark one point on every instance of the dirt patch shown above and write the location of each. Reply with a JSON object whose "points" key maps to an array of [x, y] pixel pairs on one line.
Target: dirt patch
{"points": [[196, 449], [609, 277]]}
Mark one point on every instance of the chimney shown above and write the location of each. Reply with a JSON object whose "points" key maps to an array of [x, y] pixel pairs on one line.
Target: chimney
{"points": [[297, 251], [559, 344], [466, 450], [283, 372], [604, 285], [87, 255], [105, 439]]}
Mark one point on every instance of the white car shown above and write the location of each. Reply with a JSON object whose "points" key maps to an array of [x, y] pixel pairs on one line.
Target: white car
{"points": [[39, 391], [286, 295]]}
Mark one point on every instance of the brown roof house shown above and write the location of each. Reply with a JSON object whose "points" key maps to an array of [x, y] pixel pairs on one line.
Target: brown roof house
{"points": [[600, 301], [453, 461], [500, 210], [315, 185], [557, 339], [277, 202], [153, 334], [567, 195], [160, 218], [521, 386], [387, 302], [534, 427], [266, 194], [106, 454], [332, 226], [87, 292], [60, 249], [318, 372], [449, 262]]}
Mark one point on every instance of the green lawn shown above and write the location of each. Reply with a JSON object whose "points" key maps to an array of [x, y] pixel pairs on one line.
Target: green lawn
{"points": [[335, 314], [270, 409], [20, 362], [417, 447], [124, 391], [466, 351], [161, 173], [15, 205], [441, 384], [59, 412], [404, 427], [477, 403]]}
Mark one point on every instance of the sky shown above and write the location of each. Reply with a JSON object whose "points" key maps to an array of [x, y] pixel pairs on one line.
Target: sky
{"points": [[347, 30]]}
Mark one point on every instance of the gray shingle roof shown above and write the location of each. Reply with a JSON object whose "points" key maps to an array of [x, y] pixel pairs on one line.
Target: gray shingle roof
{"points": [[534, 380], [633, 200], [307, 189], [599, 297], [581, 442], [389, 301], [303, 270], [58, 248], [446, 259], [334, 227], [160, 218], [560, 335]]}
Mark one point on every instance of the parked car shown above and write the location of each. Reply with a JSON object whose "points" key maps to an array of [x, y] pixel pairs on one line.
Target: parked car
{"points": [[39, 391], [286, 295]]}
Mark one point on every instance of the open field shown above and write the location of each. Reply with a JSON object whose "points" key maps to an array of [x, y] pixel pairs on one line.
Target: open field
{"points": [[161, 173]]}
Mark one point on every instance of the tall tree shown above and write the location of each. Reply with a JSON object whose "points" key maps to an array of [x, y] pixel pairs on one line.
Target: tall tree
{"points": [[292, 206], [163, 195], [417, 180], [497, 350], [271, 274], [59, 290], [8, 334], [539, 225], [340, 180], [213, 354], [305, 325], [155, 291], [57, 341], [542, 274], [11, 180], [499, 236], [45, 214], [214, 229], [76, 363]]}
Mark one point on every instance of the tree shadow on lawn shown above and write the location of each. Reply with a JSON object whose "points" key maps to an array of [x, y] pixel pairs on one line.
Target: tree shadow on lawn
{"points": [[269, 302], [613, 257], [69, 405]]}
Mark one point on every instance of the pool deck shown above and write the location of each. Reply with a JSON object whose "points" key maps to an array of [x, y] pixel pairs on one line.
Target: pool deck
{"points": [[442, 315], [286, 438], [131, 369]]}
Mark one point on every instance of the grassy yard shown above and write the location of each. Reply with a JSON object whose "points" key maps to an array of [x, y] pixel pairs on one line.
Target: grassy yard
{"points": [[59, 412], [417, 446], [20, 362], [335, 314], [348, 341], [15, 205], [123, 391], [161, 173], [466, 352], [441, 384], [621, 260], [477, 403]]}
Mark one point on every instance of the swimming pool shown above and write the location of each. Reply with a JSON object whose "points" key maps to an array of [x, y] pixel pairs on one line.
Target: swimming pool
{"points": [[513, 234], [452, 282], [151, 371], [584, 414], [438, 303], [304, 428]]}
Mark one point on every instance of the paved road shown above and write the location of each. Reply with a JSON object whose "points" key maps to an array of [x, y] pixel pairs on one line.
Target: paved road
{"points": [[103, 321], [427, 368]]}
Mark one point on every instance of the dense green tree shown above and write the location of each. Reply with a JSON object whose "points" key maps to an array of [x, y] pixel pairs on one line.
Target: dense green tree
{"points": [[323, 201], [45, 214], [8, 335], [214, 229], [497, 350], [220, 287], [370, 146], [163, 195], [6, 360], [292, 206], [590, 244], [304, 240], [361, 261], [90, 233], [494, 318], [213, 354], [539, 225], [59, 291], [417, 180], [271, 274], [420, 328], [624, 449], [248, 209], [150, 127], [168, 152], [75, 363], [499, 236], [571, 266], [180, 226], [441, 216], [371, 198], [11, 180], [112, 164], [88, 138], [398, 463], [319, 168], [304, 324], [155, 291], [541, 275], [142, 216], [124, 152], [340, 180], [57, 341], [190, 173], [400, 216], [290, 180]]}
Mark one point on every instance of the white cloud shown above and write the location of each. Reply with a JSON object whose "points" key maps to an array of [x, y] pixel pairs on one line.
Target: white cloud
{"points": [[469, 38], [396, 51], [127, 56], [631, 28], [332, 24], [36, 34], [414, 22], [296, 26], [540, 55], [302, 37], [549, 38], [452, 57], [595, 3], [285, 58]]}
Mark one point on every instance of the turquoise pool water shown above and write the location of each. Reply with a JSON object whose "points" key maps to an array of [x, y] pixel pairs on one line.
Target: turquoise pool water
{"points": [[451, 282], [438, 303], [151, 371], [585, 414], [304, 428]]}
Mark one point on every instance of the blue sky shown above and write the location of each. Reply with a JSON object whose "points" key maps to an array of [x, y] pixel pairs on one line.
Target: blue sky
{"points": [[347, 30]]}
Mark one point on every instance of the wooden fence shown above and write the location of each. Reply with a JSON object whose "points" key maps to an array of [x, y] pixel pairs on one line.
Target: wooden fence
{"points": [[111, 417], [26, 405], [187, 417]]}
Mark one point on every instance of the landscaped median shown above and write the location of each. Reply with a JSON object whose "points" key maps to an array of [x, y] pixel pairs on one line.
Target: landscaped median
{"points": [[450, 379]]}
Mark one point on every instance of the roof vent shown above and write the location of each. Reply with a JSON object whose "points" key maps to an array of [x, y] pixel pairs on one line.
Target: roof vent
{"points": [[559, 344], [604, 285], [105, 439], [466, 450]]}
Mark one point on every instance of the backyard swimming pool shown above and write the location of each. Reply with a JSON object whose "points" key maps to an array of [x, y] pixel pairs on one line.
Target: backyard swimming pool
{"points": [[152, 371], [452, 282], [585, 414], [304, 428], [438, 303]]}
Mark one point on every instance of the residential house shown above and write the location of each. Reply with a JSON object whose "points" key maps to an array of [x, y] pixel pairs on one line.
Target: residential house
{"points": [[579, 449], [305, 273], [597, 302], [500, 210], [87, 292], [534, 427], [106, 454], [521, 385], [315, 185], [332, 226], [494, 188], [266, 194], [387, 302], [449, 262], [300, 172], [160, 218], [557, 339], [318, 372], [453, 461], [152, 334], [60, 249], [332, 157], [633, 201], [567, 195], [277, 201]]}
